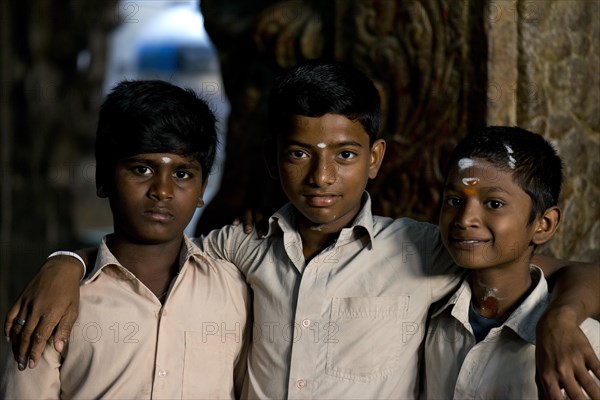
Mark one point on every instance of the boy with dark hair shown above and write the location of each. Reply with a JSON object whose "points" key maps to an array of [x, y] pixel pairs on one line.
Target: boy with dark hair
{"points": [[500, 203], [136, 336], [340, 296]]}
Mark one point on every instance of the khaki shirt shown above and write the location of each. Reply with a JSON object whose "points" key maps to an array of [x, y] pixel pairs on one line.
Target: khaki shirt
{"points": [[348, 324], [126, 345], [501, 366]]}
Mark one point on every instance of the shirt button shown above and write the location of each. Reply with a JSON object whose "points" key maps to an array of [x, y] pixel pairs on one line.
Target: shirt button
{"points": [[300, 383], [162, 373], [306, 323]]}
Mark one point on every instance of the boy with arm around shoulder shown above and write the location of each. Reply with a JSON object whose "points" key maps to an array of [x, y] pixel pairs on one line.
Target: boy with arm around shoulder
{"points": [[500, 202], [340, 295], [158, 318]]}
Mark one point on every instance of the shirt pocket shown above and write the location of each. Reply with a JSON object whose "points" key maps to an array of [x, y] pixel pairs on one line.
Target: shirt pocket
{"points": [[208, 367], [367, 339]]}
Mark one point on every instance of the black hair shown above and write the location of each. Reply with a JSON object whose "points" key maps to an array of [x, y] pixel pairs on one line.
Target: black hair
{"points": [[533, 162], [153, 116], [315, 88]]}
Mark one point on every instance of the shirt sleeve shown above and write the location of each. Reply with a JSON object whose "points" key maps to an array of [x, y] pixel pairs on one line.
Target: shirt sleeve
{"points": [[232, 244], [443, 273], [42, 382]]}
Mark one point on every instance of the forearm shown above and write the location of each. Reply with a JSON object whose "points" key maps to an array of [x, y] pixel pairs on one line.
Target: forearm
{"points": [[47, 306], [563, 352], [576, 291]]}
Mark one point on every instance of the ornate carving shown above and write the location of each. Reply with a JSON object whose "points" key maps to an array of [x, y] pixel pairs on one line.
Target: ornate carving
{"points": [[418, 55]]}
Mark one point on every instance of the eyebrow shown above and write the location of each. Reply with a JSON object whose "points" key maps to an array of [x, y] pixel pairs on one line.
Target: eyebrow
{"points": [[488, 189], [289, 142], [186, 165]]}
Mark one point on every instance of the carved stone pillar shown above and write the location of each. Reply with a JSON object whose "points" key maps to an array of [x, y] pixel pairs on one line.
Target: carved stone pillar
{"points": [[427, 58], [443, 68]]}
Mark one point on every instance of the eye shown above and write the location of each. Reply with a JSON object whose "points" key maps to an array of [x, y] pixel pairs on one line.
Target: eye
{"points": [[494, 204], [453, 201], [347, 155], [142, 170], [297, 154], [182, 175]]}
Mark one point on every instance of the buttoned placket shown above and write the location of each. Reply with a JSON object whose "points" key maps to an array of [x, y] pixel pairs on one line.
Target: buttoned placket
{"points": [[311, 330]]}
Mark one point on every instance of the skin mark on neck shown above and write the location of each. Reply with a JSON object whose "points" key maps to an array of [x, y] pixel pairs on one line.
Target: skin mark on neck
{"points": [[489, 301]]}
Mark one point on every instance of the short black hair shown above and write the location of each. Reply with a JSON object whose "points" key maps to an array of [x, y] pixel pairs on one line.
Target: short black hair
{"points": [[315, 88], [533, 162], [153, 116]]}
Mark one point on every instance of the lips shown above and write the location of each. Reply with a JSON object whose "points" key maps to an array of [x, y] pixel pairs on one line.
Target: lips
{"points": [[321, 199], [159, 214], [467, 242]]}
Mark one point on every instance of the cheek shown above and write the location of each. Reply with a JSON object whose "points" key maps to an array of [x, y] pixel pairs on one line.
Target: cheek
{"points": [[291, 173], [444, 222]]}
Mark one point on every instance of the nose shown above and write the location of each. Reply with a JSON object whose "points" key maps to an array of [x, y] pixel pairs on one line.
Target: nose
{"points": [[323, 172], [468, 216], [161, 188]]}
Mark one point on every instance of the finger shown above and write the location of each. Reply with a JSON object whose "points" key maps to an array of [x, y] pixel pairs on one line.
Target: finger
{"points": [[261, 224], [588, 383], [63, 330], [40, 337], [10, 317], [554, 393], [248, 221], [16, 334], [594, 365], [236, 222], [542, 393], [573, 390]]}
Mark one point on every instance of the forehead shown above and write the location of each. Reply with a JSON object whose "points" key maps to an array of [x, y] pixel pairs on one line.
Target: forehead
{"points": [[477, 172], [325, 130], [164, 159]]}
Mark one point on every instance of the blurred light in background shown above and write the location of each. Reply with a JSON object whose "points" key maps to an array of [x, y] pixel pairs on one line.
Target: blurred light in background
{"points": [[162, 39]]}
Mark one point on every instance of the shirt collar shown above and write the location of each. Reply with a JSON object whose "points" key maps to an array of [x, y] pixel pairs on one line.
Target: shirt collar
{"points": [[462, 298], [284, 220], [522, 321], [106, 258]]}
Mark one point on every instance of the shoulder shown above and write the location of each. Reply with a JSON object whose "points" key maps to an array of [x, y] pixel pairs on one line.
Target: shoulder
{"points": [[227, 239], [406, 228], [402, 223]]}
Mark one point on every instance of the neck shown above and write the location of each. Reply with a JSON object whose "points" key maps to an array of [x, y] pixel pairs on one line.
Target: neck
{"points": [[154, 265], [496, 292], [315, 240]]}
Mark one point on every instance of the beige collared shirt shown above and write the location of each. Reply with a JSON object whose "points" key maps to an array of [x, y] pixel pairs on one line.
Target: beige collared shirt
{"points": [[347, 325], [501, 366], [127, 345]]}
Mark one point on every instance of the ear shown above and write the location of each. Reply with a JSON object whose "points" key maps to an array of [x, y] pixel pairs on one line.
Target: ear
{"points": [[100, 192], [546, 225], [200, 202], [377, 153]]}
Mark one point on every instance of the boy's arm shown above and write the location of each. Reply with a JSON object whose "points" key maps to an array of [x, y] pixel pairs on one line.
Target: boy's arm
{"points": [[563, 353], [49, 305]]}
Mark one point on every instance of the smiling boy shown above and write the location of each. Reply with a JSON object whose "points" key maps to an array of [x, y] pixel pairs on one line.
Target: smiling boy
{"points": [[500, 203], [158, 318], [340, 295]]}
